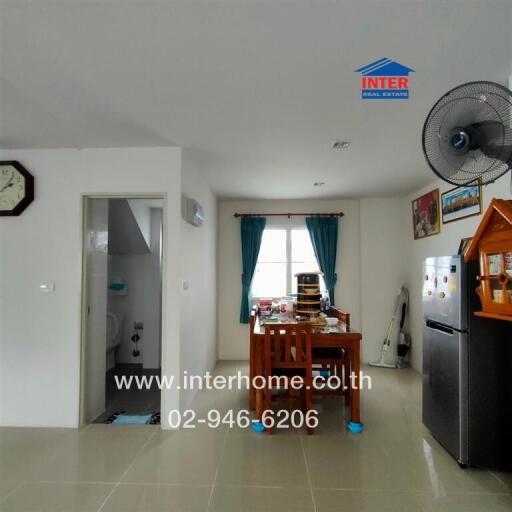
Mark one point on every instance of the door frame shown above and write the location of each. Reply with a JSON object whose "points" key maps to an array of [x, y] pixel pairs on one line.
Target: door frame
{"points": [[84, 198]]}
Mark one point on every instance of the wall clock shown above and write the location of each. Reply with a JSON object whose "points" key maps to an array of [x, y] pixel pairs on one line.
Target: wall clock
{"points": [[16, 188]]}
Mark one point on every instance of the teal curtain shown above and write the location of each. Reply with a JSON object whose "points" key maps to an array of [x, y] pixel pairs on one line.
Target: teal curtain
{"points": [[251, 231], [323, 232]]}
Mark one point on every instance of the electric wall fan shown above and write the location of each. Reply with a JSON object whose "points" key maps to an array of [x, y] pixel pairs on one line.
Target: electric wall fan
{"points": [[468, 134]]}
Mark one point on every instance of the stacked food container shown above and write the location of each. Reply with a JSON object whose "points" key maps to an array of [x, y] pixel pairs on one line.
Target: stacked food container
{"points": [[308, 294]]}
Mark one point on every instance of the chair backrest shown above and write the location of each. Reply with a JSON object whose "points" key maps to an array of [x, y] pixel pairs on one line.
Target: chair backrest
{"points": [[288, 346], [342, 316]]}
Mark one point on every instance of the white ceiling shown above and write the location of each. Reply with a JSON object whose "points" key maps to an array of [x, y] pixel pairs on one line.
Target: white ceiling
{"points": [[256, 91]]}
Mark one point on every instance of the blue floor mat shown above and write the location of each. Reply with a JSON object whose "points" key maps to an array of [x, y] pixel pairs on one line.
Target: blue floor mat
{"points": [[132, 419]]}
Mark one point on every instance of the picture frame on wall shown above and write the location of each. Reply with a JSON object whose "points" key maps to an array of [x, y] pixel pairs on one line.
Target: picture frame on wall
{"points": [[426, 215], [461, 202], [463, 246]]}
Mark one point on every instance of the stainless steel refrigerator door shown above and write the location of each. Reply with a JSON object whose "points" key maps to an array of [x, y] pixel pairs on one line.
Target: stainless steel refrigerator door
{"points": [[445, 401], [444, 291]]}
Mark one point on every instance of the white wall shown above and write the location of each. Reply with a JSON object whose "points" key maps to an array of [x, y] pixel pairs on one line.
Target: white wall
{"points": [[233, 337], [40, 333], [198, 270], [446, 243], [384, 228]]}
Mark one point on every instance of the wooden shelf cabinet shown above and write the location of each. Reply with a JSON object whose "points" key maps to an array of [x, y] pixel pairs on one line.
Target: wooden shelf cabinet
{"points": [[492, 246]]}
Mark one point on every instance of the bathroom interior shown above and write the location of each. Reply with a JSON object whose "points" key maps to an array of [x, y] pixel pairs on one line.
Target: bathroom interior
{"points": [[123, 273]]}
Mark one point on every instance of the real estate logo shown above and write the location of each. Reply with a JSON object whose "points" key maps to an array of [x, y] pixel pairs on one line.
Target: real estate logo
{"points": [[384, 79]]}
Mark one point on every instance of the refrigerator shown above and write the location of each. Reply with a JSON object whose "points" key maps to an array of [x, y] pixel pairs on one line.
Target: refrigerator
{"points": [[467, 368]]}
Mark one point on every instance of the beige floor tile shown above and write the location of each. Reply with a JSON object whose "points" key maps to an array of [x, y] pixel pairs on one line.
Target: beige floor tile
{"points": [[6, 488], [157, 498], [366, 463], [356, 463], [440, 474], [208, 400], [56, 497], [366, 501], [263, 460], [467, 503], [143, 430], [277, 432], [506, 478], [261, 499], [94, 456], [395, 465], [184, 457], [24, 450]]}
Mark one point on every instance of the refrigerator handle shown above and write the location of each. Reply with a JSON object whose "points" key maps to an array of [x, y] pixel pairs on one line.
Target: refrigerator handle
{"points": [[440, 327]]}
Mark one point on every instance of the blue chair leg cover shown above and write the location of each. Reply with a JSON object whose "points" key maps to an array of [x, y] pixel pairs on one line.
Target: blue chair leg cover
{"points": [[257, 426], [355, 428]]}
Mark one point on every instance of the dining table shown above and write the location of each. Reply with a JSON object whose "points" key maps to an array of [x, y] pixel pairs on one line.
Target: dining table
{"points": [[342, 337]]}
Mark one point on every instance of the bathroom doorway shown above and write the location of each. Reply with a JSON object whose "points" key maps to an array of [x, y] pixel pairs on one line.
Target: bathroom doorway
{"points": [[122, 310]]}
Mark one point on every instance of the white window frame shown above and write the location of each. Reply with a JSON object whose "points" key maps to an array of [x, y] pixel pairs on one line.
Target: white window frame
{"points": [[289, 278]]}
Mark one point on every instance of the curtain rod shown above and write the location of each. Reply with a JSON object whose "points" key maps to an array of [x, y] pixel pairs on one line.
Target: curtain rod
{"points": [[339, 214]]}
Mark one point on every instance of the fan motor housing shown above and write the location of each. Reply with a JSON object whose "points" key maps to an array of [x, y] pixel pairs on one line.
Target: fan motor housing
{"points": [[460, 140]]}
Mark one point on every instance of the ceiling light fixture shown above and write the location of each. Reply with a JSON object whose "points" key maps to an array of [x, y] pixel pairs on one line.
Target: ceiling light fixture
{"points": [[341, 144]]}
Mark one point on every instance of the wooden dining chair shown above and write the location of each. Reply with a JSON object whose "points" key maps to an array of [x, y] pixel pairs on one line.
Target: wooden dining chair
{"points": [[288, 353], [335, 360]]}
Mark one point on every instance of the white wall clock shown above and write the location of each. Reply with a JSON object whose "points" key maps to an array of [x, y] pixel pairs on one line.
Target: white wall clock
{"points": [[16, 188]]}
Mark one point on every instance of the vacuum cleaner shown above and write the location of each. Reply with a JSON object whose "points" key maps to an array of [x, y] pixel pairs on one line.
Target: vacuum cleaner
{"points": [[404, 340]]}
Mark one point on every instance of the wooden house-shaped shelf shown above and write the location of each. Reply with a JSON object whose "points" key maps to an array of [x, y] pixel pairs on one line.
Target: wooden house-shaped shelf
{"points": [[492, 246]]}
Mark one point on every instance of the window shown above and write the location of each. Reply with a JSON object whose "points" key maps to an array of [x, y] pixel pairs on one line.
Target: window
{"points": [[283, 253], [270, 274]]}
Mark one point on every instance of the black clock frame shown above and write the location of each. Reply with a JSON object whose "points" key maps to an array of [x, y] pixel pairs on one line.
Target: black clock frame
{"points": [[29, 189]]}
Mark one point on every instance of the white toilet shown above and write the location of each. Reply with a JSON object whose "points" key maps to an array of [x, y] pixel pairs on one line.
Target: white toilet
{"points": [[114, 333]]}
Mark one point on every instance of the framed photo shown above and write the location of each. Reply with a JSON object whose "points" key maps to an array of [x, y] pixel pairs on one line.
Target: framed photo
{"points": [[463, 246], [508, 263], [461, 202], [494, 264], [425, 215]]}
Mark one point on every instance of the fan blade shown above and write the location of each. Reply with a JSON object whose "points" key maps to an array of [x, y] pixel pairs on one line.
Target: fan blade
{"points": [[493, 139]]}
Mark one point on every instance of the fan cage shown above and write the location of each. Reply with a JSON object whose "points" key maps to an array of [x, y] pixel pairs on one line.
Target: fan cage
{"points": [[467, 104]]}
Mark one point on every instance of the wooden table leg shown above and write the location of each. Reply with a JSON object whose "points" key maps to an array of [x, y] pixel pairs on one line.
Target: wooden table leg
{"points": [[347, 390], [252, 395], [355, 424], [258, 370]]}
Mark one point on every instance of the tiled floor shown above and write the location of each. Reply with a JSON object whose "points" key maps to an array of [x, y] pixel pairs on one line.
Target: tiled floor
{"points": [[394, 466]]}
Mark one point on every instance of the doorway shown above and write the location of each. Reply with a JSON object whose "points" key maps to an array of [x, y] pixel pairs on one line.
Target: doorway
{"points": [[121, 310]]}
